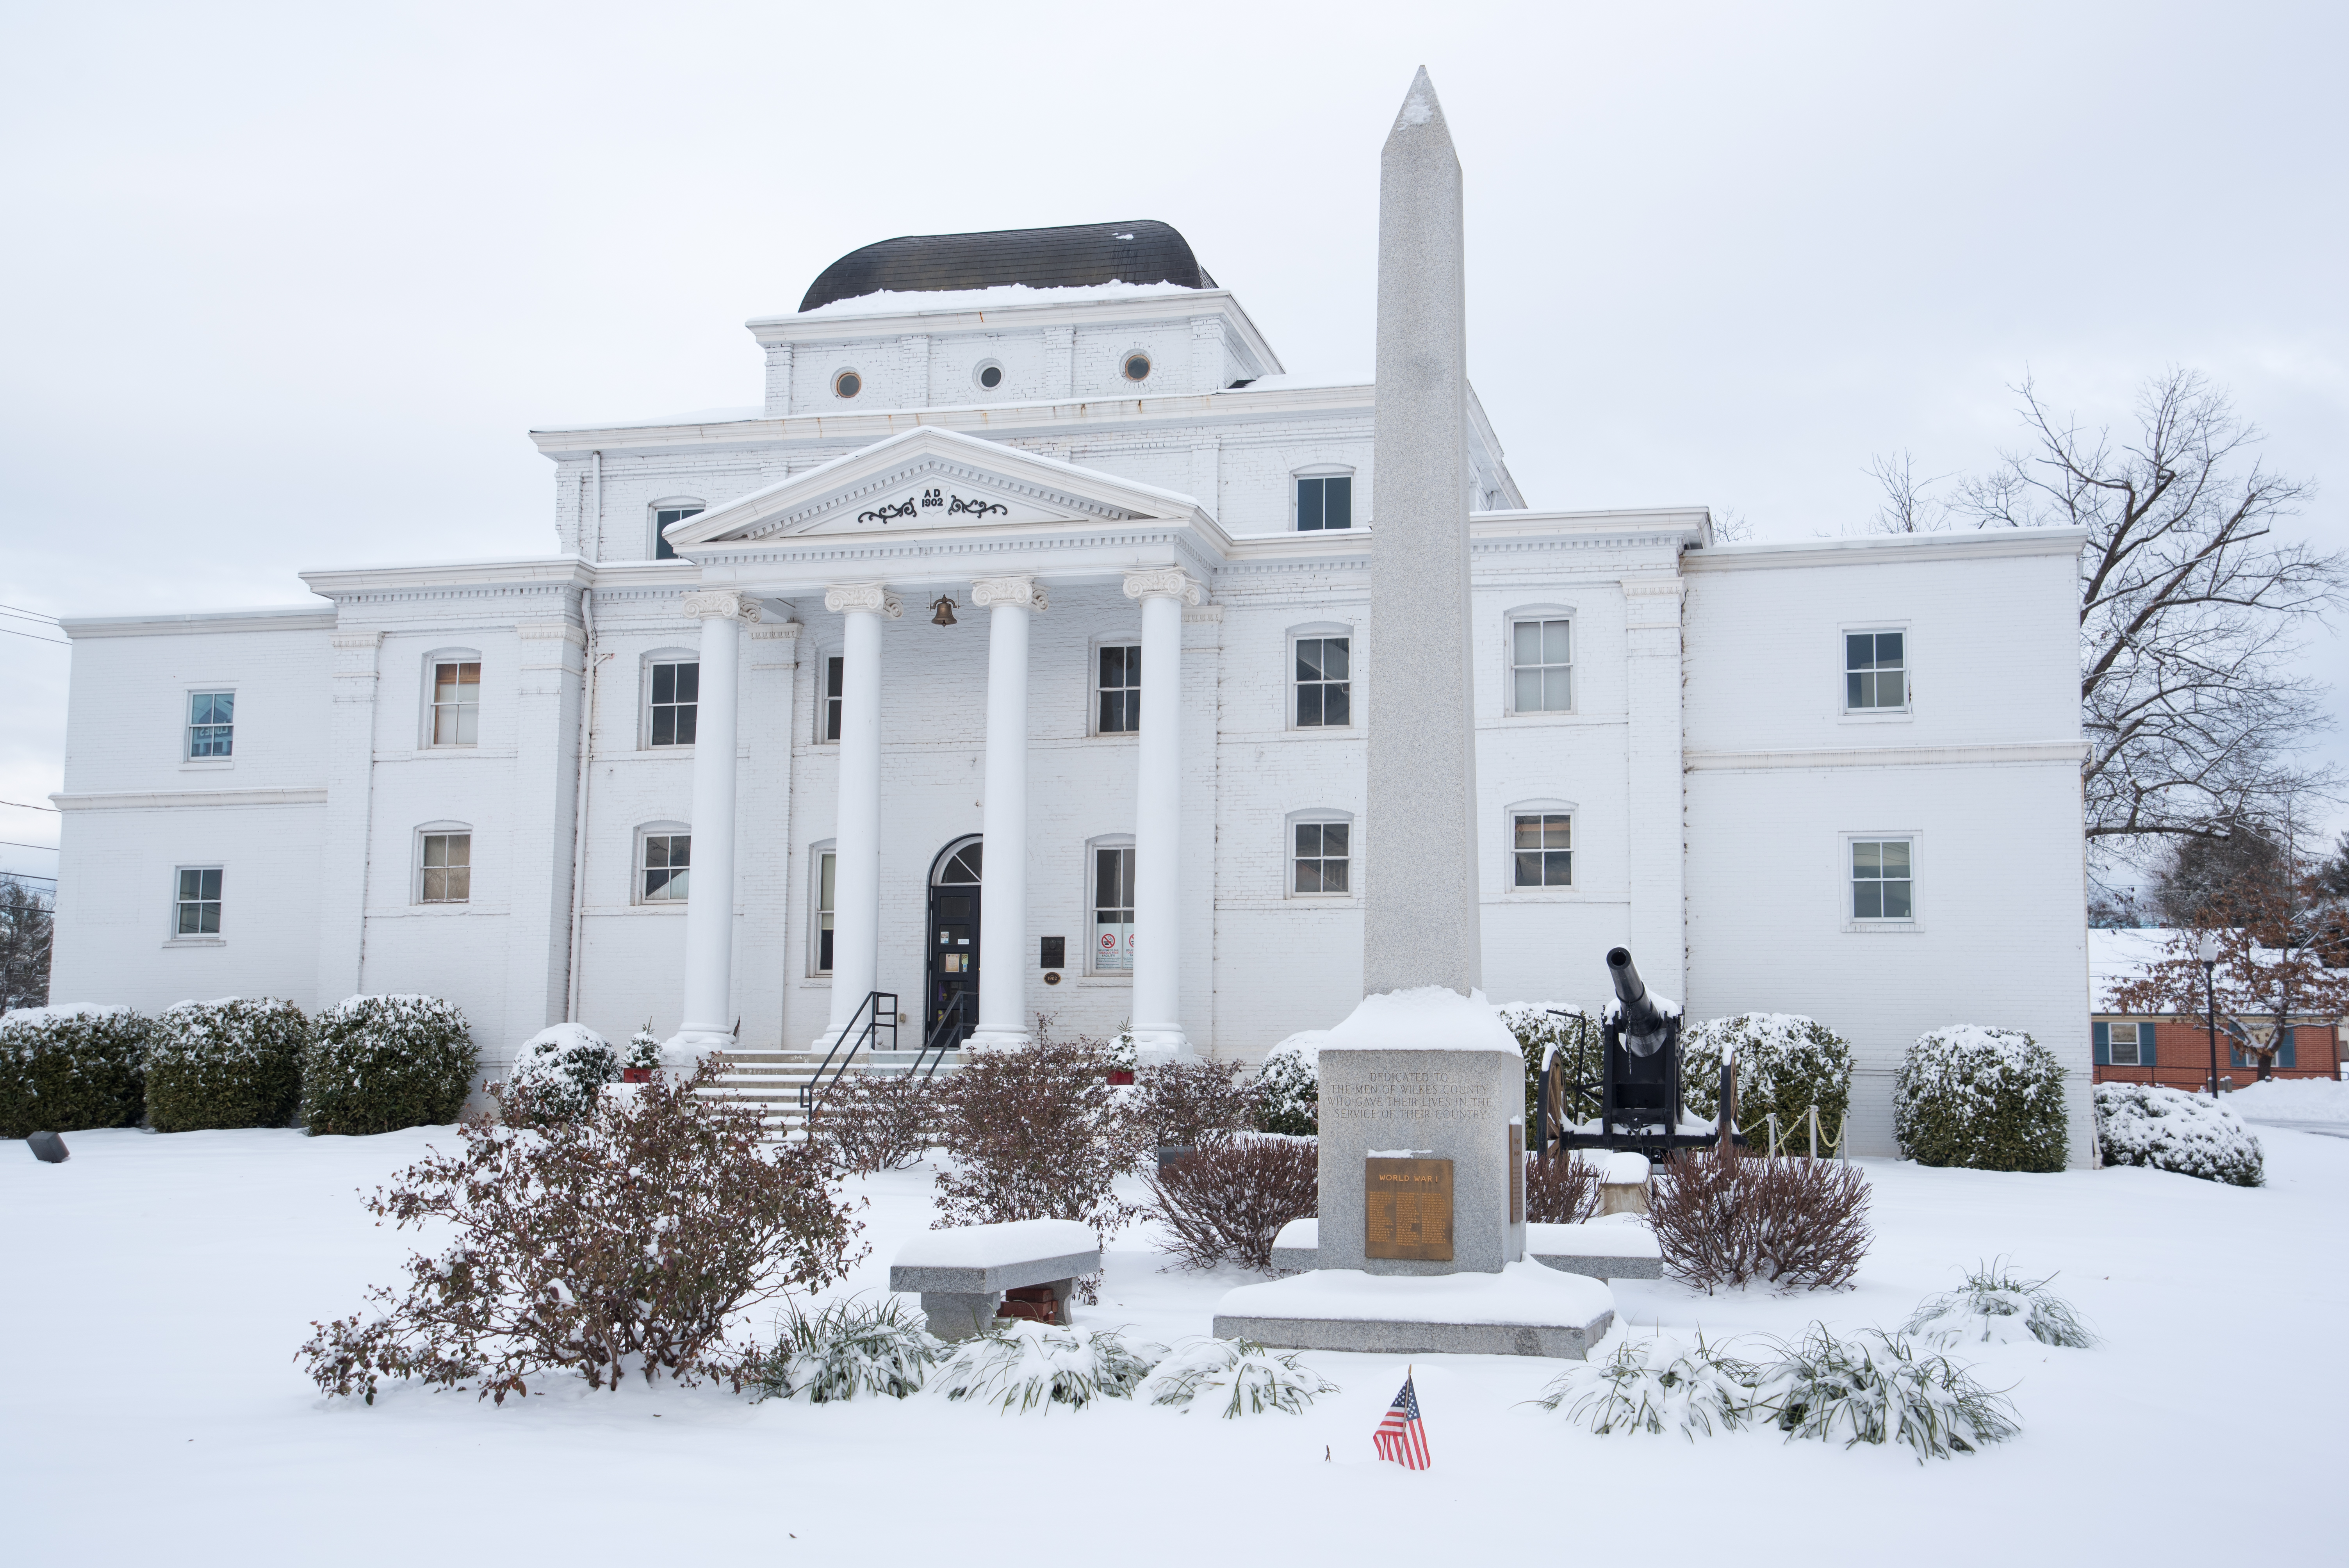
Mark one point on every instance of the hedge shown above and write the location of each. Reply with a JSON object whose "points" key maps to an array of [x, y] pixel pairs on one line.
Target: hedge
{"points": [[568, 1066], [236, 1062], [1288, 1085], [381, 1063], [2171, 1129], [1580, 1038], [1988, 1098], [1785, 1063], [64, 1069]]}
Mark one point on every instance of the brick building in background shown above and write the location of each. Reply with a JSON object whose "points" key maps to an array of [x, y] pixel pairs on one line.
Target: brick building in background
{"points": [[2131, 1047]]}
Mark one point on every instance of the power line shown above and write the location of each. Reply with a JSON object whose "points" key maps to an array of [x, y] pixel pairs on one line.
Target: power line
{"points": [[30, 615], [15, 845], [27, 805], [14, 632]]}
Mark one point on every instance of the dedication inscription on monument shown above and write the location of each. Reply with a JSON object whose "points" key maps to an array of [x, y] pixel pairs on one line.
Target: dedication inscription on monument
{"points": [[1407, 1209]]}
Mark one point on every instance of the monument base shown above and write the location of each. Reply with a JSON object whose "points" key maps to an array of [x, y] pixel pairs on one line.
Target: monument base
{"points": [[1523, 1309]]}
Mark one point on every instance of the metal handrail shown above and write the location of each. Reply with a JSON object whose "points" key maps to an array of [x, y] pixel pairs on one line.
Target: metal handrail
{"points": [[946, 1037], [880, 1019]]}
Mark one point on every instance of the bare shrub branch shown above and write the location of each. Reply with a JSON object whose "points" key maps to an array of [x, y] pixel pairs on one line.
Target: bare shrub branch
{"points": [[1725, 1218], [1230, 1200]]}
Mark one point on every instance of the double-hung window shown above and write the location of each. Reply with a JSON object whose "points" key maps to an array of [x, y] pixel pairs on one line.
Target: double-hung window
{"points": [[676, 697], [446, 875], [197, 909], [1325, 682], [1322, 858], [1118, 690], [1324, 501], [833, 675], [662, 516], [1543, 848], [2125, 1046], [1541, 665], [1883, 880], [211, 724], [1875, 671], [665, 867], [456, 703], [823, 911], [1114, 909]]}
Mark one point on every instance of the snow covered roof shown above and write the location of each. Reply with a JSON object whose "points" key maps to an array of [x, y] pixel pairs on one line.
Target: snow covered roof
{"points": [[2115, 957], [1077, 255]]}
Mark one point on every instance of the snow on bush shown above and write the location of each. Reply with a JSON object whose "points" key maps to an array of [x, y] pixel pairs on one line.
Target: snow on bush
{"points": [[1785, 1063], [236, 1062], [64, 1069], [619, 1242], [1234, 1377], [1991, 1099], [381, 1063], [568, 1065], [1659, 1384], [1997, 1306], [851, 1346], [1019, 1365], [1875, 1387], [1539, 1030], [1725, 1219], [1229, 1200], [1288, 1085], [2171, 1129], [1036, 1134], [644, 1052]]}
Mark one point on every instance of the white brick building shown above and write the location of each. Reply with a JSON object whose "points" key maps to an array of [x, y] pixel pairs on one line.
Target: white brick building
{"points": [[1838, 778]]}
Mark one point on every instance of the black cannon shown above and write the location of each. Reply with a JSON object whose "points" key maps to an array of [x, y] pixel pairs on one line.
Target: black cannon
{"points": [[1638, 1090]]}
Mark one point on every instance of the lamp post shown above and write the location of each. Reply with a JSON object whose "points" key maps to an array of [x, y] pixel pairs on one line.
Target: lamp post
{"points": [[2206, 948]]}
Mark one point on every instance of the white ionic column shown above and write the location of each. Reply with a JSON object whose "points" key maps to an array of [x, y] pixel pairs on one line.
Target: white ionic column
{"points": [[1003, 881], [856, 831], [1158, 816], [708, 1020]]}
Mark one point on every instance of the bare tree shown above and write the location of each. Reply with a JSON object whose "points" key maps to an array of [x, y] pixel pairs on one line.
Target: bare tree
{"points": [[2190, 607], [1906, 508], [25, 922]]}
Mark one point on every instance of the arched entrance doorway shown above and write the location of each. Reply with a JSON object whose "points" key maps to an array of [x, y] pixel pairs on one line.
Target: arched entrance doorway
{"points": [[954, 937]]}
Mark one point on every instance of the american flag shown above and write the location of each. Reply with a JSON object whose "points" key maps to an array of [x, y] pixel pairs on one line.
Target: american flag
{"points": [[1401, 1436]]}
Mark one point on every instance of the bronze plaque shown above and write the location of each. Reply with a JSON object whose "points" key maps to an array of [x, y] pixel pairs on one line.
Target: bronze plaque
{"points": [[1514, 1139], [1407, 1209]]}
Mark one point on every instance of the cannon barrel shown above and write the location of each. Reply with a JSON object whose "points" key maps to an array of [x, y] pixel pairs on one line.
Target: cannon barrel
{"points": [[1640, 1016]]}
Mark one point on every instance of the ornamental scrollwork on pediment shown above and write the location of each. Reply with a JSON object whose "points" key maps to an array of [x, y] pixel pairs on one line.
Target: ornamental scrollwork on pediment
{"points": [[953, 505]]}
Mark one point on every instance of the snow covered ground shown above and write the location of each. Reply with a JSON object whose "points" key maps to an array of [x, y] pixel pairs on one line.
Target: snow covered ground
{"points": [[2312, 1105], [157, 1288]]}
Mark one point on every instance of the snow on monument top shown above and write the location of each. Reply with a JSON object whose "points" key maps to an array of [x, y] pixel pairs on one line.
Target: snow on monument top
{"points": [[1424, 1018]]}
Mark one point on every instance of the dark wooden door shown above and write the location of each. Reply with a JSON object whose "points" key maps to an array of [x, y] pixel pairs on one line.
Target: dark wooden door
{"points": [[954, 937]]}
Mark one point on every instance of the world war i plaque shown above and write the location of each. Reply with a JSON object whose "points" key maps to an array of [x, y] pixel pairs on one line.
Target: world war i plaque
{"points": [[1407, 1209]]}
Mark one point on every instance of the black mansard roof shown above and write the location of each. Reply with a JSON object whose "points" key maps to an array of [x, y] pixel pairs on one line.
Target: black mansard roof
{"points": [[1143, 251]]}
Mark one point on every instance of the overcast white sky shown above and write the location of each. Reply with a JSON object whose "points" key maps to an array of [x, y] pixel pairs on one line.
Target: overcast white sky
{"points": [[285, 286]]}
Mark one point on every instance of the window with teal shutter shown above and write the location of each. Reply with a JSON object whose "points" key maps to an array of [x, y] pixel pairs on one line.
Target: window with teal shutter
{"points": [[2102, 1035], [2145, 1033]]}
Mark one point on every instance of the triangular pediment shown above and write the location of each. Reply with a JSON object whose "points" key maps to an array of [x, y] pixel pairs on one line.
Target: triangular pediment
{"points": [[932, 481]]}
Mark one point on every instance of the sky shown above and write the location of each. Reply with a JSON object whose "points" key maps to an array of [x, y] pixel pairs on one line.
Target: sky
{"points": [[285, 286]]}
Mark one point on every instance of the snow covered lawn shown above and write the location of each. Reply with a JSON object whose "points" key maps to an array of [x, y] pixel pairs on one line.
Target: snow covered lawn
{"points": [[157, 1288]]}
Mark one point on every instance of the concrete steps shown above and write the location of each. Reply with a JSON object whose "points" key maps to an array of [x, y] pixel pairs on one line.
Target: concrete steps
{"points": [[769, 1082]]}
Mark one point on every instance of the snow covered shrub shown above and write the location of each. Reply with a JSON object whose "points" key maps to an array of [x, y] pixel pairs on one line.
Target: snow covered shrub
{"points": [[1229, 1199], [1560, 1190], [1539, 1029], [1657, 1385], [874, 1121], [1288, 1085], [1997, 1306], [1234, 1377], [2171, 1129], [614, 1242], [1018, 1366], [1991, 1099], [568, 1065], [1785, 1063], [64, 1068], [1725, 1219], [1036, 1134], [236, 1062], [849, 1347], [1876, 1389], [1192, 1105], [644, 1052], [381, 1063]]}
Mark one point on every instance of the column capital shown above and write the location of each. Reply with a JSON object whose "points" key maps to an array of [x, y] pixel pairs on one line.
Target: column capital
{"points": [[1164, 583], [870, 598], [989, 592], [720, 604]]}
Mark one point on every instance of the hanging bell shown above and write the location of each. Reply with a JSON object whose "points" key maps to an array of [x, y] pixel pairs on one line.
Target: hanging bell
{"points": [[945, 608]]}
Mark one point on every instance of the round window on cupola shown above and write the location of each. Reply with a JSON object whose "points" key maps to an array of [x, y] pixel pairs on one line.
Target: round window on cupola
{"points": [[847, 384], [988, 374], [1136, 366]]}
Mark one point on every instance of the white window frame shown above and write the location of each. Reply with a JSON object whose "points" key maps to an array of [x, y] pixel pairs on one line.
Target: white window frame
{"points": [[432, 662], [1907, 708], [216, 935], [1309, 631], [2137, 1028], [653, 523], [1093, 691], [645, 832], [1002, 384], [1327, 817], [188, 726], [1320, 471], [824, 699], [1916, 917], [1565, 612], [416, 877], [644, 698], [820, 852], [1093, 966], [1543, 807]]}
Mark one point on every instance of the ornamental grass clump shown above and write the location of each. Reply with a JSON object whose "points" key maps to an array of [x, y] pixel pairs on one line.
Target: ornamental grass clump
{"points": [[1228, 1201], [1989, 1100], [1561, 1190], [568, 1066], [1725, 1219], [1288, 1085], [1996, 1305], [2171, 1129], [381, 1063], [1659, 1384], [1786, 1064], [1035, 1134], [616, 1243], [236, 1062], [849, 1347], [1020, 1366], [66, 1068], [1234, 1377], [1877, 1388]]}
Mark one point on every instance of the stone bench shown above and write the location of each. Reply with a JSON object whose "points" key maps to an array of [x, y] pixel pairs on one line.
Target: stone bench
{"points": [[961, 1273], [1617, 1246]]}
